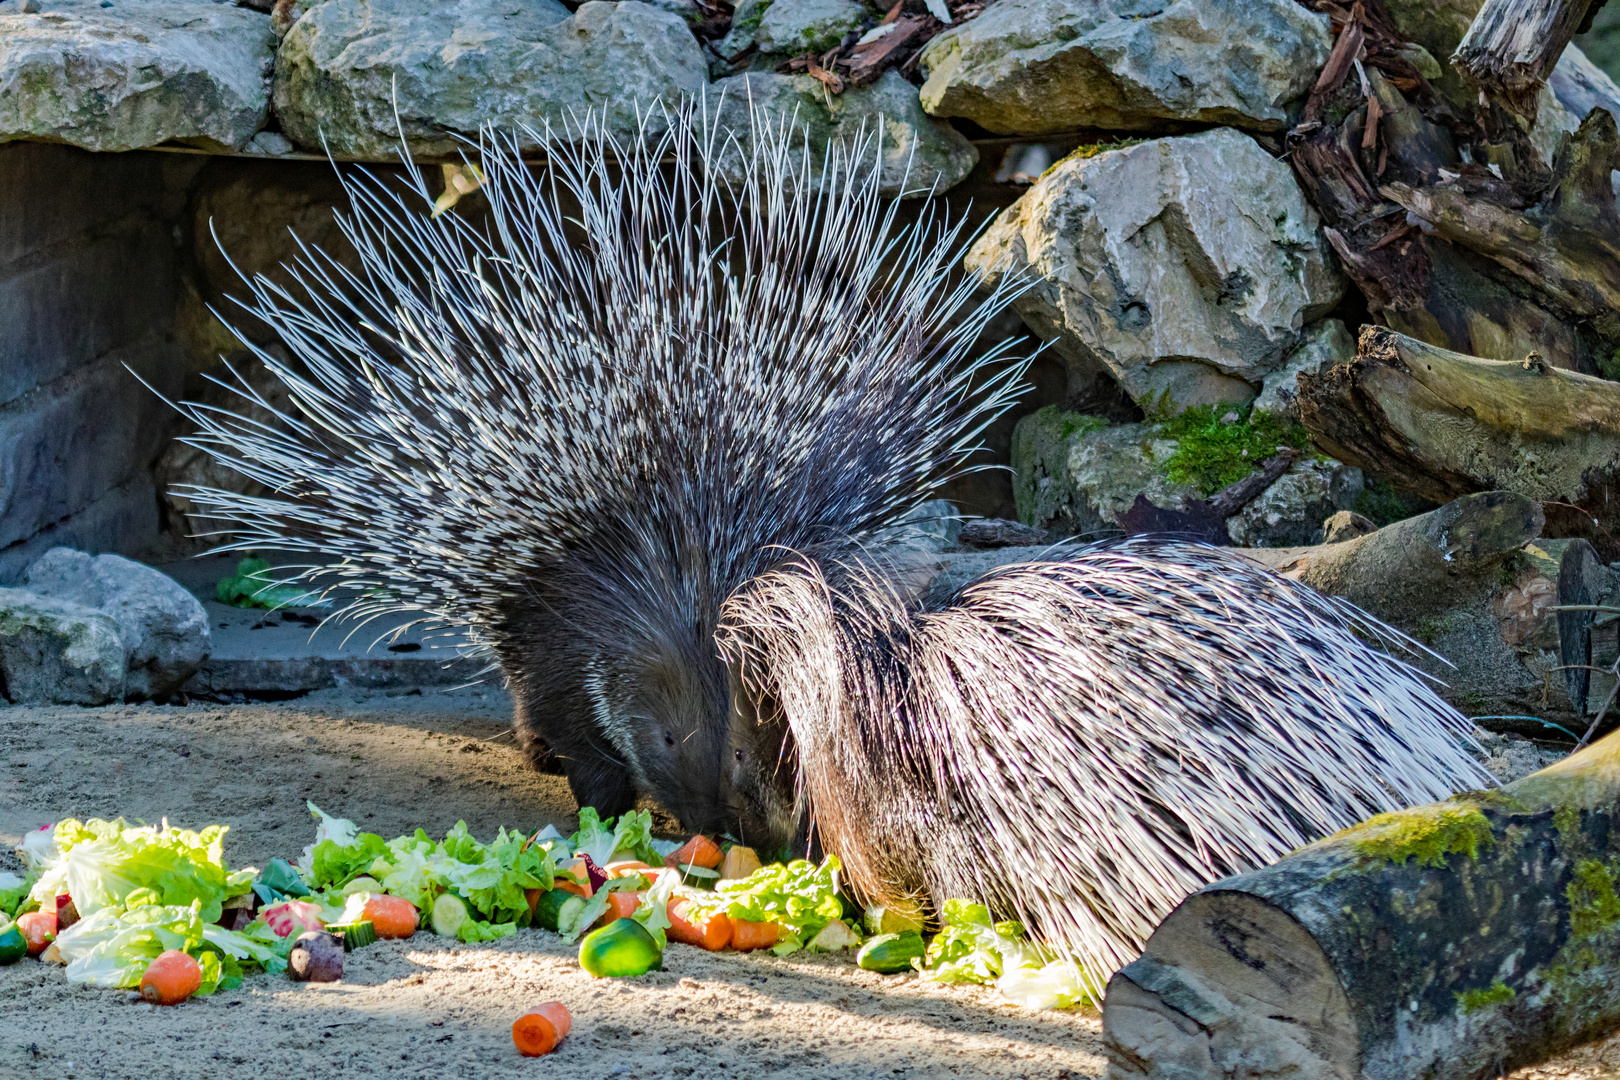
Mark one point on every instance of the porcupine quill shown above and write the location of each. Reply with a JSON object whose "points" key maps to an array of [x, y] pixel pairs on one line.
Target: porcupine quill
{"points": [[570, 430], [1079, 742]]}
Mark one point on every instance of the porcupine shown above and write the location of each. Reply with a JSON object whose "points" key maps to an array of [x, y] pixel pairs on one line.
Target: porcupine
{"points": [[1080, 742], [573, 428]]}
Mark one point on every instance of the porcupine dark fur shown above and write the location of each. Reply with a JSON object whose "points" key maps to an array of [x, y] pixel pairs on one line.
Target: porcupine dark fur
{"points": [[1078, 742], [571, 429]]}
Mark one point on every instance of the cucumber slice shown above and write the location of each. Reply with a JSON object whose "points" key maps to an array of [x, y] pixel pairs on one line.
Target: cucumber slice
{"points": [[13, 946], [448, 915], [687, 870], [356, 935], [554, 908]]}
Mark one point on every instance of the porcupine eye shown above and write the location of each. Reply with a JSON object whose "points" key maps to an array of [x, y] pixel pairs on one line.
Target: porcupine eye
{"points": [[669, 738]]}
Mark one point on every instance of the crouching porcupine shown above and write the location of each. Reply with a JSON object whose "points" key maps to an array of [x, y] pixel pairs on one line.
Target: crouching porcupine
{"points": [[1079, 743], [573, 427]]}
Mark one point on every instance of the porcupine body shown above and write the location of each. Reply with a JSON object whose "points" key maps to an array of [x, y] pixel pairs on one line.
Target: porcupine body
{"points": [[572, 427], [1080, 742]]}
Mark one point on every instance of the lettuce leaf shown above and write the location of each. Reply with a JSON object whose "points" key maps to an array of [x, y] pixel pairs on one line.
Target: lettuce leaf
{"points": [[100, 863], [633, 837], [799, 896], [474, 930], [333, 864], [594, 837], [14, 890], [113, 946], [594, 908], [654, 910], [1055, 985], [970, 948]]}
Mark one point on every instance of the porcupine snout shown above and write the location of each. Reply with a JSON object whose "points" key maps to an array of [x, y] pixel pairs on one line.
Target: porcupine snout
{"points": [[765, 796]]}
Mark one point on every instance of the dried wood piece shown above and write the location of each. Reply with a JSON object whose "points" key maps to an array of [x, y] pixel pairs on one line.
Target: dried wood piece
{"points": [[1441, 424], [1512, 46]]}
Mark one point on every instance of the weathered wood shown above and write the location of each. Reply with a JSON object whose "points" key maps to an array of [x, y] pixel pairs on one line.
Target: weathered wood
{"points": [[1441, 424], [1449, 942], [1512, 46]]}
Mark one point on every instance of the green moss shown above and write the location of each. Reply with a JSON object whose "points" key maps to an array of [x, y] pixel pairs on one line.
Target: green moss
{"points": [[1211, 455], [1091, 150], [1593, 905], [1431, 628], [1567, 820], [1383, 505], [1426, 833], [1471, 1001]]}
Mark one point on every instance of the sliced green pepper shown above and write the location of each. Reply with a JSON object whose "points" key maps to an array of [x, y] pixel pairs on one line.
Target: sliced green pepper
{"points": [[621, 949]]}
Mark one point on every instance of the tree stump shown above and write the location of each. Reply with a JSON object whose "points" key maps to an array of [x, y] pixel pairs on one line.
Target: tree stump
{"points": [[1450, 942]]}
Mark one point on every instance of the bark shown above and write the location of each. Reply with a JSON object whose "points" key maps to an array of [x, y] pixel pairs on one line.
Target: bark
{"points": [[1512, 46], [1450, 942], [1441, 424]]}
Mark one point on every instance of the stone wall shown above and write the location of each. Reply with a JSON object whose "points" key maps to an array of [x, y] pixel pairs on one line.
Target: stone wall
{"points": [[88, 277]]}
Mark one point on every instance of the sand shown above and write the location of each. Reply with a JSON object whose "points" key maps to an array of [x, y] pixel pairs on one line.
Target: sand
{"points": [[430, 1007]]}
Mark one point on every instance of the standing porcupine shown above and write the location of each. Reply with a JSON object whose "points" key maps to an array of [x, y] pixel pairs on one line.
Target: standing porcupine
{"points": [[1079, 743], [574, 428]]}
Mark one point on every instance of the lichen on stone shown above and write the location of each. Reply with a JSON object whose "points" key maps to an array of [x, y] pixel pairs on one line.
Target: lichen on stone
{"points": [[1426, 833], [1472, 1001]]}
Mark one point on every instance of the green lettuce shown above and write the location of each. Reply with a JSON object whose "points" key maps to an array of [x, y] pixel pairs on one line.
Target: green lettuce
{"points": [[970, 948], [1058, 984], [13, 891], [653, 913], [594, 908], [799, 896], [594, 838], [113, 946], [100, 863], [474, 930]]}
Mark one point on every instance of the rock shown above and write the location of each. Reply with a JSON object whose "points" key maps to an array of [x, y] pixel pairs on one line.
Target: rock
{"points": [[1037, 67], [934, 523], [135, 75], [1074, 475], [163, 628], [936, 154], [1512, 757], [1346, 525], [1323, 345], [1290, 512], [52, 651], [745, 20], [799, 26], [1184, 267], [479, 63], [270, 142]]}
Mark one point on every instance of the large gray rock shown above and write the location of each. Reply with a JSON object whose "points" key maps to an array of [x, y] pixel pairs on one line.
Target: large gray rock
{"points": [[798, 26], [1075, 475], [1322, 346], [454, 68], [1292, 511], [1034, 67], [52, 651], [162, 627], [129, 75], [919, 153], [1185, 267]]}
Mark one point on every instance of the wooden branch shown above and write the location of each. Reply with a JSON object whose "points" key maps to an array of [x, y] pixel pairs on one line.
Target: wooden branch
{"points": [[1453, 942], [1513, 45], [1441, 424]]}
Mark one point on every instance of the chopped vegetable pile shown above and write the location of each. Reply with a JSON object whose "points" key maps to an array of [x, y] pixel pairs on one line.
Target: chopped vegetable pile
{"points": [[158, 908]]}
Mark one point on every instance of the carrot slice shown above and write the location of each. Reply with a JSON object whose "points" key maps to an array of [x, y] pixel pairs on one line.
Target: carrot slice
{"points": [[391, 916], [628, 867], [558, 1014], [712, 933], [622, 905], [698, 851], [170, 978], [747, 936], [534, 1034]]}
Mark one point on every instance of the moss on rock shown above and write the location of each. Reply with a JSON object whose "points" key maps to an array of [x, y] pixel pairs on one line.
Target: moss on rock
{"points": [[1426, 833]]}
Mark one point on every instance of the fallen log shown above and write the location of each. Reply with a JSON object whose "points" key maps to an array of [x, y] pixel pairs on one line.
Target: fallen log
{"points": [[1512, 46], [1451, 942], [1441, 424]]}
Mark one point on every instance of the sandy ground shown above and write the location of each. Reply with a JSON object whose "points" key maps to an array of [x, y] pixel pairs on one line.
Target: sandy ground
{"points": [[426, 1006]]}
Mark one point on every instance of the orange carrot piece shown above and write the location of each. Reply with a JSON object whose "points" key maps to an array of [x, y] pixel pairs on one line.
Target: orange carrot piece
{"points": [[628, 867], [38, 928], [170, 978], [747, 936], [622, 905], [558, 1014], [534, 1034], [391, 916], [713, 933], [568, 884], [698, 851]]}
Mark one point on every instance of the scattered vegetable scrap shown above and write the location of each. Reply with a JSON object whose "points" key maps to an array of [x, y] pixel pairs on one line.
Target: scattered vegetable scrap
{"points": [[539, 1030], [170, 978], [157, 907]]}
